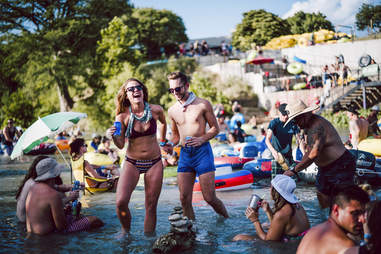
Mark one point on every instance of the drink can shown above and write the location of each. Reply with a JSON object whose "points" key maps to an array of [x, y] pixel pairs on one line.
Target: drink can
{"points": [[188, 138], [255, 201], [118, 126]]}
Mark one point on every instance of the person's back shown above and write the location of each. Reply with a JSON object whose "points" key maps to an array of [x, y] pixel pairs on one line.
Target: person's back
{"points": [[44, 210], [298, 222]]}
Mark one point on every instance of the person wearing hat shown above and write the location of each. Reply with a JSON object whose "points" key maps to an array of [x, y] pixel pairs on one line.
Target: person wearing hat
{"points": [[358, 127], [288, 219], [336, 165], [9, 132], [374, 130], [347, 215], [44, 207], [279, 141]]}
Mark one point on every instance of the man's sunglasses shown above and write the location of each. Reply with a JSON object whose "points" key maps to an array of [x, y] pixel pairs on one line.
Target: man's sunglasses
{"points": [[177, 89], [133, 88]]}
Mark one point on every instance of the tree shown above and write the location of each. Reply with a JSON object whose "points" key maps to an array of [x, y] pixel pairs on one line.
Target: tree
{"points": [[303, 22], [258, 27], [65, 34], [369, 17], [159, 31]]}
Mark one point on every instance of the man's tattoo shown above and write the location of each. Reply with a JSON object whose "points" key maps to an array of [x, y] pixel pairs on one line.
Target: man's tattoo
{"points": [[315, 134]]}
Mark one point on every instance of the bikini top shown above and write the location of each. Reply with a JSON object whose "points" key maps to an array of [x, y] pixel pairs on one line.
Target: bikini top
{"points": [[151, 130]]}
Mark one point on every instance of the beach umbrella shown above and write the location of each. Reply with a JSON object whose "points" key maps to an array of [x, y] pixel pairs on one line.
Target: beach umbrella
{"points": [[43, 129]]}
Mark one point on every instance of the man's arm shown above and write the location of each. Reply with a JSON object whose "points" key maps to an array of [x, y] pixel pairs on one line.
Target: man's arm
{"points": [[175, 138], [274, 152], [56, 207], [354, 130]]}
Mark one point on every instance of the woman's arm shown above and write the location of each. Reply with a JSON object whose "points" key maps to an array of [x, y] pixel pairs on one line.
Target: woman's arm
{"points": [[119, 140], [163, 127], [91, 171]]}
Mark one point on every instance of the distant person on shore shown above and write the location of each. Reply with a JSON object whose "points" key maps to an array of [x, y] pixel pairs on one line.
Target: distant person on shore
{"points": [[374, 130], [29, 181], [372, 231], [10, 132], [358, 127], [279, 141], [95, 142], [189, 116], [238, 116], [105, 148], [288, 219], [44, 207], [346, 218], [336, 165]]}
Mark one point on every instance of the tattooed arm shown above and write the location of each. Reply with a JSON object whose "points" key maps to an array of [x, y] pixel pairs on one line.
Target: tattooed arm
{"points": [[315, 143]]}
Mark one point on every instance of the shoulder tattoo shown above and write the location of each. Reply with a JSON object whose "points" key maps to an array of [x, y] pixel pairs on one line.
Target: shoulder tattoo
{"points": [[314, 134]]}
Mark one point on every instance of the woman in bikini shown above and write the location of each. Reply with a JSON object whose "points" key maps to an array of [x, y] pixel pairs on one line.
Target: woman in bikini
{"points": [[143, 155], [288, 221]]}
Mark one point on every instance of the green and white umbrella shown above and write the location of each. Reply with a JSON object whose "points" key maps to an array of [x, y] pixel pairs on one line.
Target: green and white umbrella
{"points": [[43, 129]]}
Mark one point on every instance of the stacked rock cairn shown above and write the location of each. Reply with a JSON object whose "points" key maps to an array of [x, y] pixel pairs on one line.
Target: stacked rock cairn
{"points": [[180, 237]]}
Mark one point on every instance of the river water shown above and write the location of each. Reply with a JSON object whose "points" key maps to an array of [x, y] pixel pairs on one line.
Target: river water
{"points": [[214, 234]]}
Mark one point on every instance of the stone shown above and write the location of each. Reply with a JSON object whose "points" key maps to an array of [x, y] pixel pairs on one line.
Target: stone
{"points": [[178, 208], [180, 223], [175, 217]]}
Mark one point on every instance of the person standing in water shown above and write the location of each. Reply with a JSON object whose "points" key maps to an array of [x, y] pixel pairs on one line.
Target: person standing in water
{"points": [[358, 127], [139, 125], [189, 116]]}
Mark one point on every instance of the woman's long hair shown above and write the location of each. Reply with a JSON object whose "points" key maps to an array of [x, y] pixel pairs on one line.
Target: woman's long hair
{"points": [[279, 201], [32, 173], [122, 102], [75, 146], [374, 222]]}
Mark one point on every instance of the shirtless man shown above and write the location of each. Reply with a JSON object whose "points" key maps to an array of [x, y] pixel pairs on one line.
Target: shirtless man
{"points": [[358, 127], [44, 206], [346, 217], [324, 147], [188, 120], [10, 132]]}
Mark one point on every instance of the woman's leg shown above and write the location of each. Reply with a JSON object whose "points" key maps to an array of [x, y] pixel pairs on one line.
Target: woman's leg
{"points": [[153, 181], [126, 185]]}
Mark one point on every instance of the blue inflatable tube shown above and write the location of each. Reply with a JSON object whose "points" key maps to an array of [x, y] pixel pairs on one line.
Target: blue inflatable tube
{"points": [[297, 59]]}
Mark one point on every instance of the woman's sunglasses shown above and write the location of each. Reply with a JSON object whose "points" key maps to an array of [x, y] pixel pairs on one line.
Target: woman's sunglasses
{"points": [[85, 145], [177, 89], [132, 88]]}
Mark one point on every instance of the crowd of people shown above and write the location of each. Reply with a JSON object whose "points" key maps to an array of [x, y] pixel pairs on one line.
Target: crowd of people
{"points": [[40, 194]]}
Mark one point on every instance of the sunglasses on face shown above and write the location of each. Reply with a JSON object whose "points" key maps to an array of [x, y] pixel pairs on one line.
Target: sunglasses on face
{"points": [[84, 145], [132, 88], [177, 89]]}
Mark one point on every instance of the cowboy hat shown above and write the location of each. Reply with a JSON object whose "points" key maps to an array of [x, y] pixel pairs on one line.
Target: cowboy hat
{"points": [[48, 168], [285, 186], [298, 108]]}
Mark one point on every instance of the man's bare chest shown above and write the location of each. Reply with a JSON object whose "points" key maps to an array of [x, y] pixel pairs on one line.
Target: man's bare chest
{"points": [[190, 116]]}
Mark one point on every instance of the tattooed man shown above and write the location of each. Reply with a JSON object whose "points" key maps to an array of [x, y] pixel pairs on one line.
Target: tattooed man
{"points": [[324, 147]]}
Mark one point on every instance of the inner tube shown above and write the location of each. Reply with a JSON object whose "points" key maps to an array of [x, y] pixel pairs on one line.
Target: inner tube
{"points": [[299, 86], [365, 60], [295, 68], [299, 60]]}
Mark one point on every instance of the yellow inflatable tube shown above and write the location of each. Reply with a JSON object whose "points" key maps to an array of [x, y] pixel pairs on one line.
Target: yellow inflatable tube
{"points": [[371, 145]]}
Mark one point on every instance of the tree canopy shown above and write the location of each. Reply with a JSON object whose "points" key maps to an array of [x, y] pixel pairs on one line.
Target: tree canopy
{"points": [[258, 27], [302, 22], [369, 17]]}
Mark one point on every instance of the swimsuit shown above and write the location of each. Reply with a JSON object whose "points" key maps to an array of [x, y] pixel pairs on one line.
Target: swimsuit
{"points": [[76, 225], [197, 159], [143, 165], [151, 130], [340, 172], [297, 237]]}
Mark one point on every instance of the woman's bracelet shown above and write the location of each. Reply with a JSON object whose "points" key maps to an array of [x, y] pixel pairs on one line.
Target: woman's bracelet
{"points": [[256, 220]]}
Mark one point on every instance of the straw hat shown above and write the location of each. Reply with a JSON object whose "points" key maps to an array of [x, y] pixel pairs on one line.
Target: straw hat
{"points": [[285, 186], [48, 168], [297, 109]]}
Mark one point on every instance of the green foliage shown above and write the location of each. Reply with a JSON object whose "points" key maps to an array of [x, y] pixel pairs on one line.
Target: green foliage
{"points": [[258, 27], [369, 16], [303, 22], [339, 119], [159, 31]]}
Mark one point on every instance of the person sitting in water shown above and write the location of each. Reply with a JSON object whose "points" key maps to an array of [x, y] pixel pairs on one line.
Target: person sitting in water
{"points": [[372, 231], [77, 150], [105, 148], [29, 181], [44, 208], [345, 220], [358, 127], [288, 221]]}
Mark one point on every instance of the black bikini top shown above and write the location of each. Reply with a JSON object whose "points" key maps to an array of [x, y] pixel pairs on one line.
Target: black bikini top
{"points": [[151, 130]]}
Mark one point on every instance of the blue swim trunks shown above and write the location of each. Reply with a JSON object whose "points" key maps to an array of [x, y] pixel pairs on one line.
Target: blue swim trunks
{"points": [[197, 159]]}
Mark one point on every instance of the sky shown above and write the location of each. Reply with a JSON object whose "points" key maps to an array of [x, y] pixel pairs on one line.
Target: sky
{"points": [[213, 18]]}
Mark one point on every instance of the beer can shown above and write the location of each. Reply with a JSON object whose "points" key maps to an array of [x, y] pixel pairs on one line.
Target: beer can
{"points": [[118, 126], [254, 201]]}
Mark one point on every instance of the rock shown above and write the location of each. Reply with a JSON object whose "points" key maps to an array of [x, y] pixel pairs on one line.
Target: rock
{"points": [[180, 223], [178, 208], [177, 212], [179, 230], [175, 217]]}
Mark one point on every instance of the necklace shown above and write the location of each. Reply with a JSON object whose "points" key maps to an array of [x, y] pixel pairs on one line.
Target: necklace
{"points": [[147, 115]]}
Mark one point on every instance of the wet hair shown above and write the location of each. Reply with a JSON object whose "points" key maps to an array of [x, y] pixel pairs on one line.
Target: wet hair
{"points": [[122, 103], [32, 173], [279, 201], [343, 195], [75, 146], [374, 222], [239, 124], [178, 75]]}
